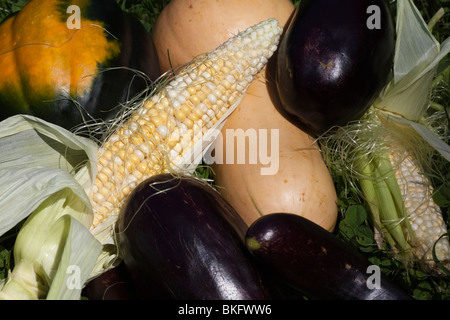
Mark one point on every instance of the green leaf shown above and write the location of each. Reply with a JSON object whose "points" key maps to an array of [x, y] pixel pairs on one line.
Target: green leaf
{"points": [[441, 197], [424, 291], [5, 263], [356, 215], [355, 228]]}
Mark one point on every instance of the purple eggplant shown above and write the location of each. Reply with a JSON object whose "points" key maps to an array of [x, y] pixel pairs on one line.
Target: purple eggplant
{"points": [[114, 284], [315, 262], [177, 235], [333, 61]]}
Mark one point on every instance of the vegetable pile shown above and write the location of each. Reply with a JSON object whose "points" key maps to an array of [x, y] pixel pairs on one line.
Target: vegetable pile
{"points": [[282, 152]]}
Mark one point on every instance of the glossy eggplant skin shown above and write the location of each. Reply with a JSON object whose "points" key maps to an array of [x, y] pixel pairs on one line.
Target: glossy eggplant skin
{"points": [[314, 261], [114, 284], [180, 235], [333, 61]]}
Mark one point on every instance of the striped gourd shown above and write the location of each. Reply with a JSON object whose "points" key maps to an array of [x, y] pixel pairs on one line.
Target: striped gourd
{"points": [[163, 131]]}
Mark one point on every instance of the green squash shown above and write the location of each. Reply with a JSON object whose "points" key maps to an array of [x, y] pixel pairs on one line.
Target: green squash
{"points": [[66, 73]]}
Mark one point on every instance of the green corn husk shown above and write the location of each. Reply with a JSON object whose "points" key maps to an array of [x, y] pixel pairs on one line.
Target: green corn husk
{"points": [[48, 246], [38, 165], [360, 150]]}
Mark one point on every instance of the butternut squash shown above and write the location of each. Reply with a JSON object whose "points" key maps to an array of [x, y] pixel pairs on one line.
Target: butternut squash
{"points": [[302, 185], [297, 179], [187, 28]]}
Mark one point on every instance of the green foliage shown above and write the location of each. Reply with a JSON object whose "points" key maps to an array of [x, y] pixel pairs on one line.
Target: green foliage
{"points": [[441, 195], [146, 11], [354, 227], [6, 253], [5, 262], [8, 7]]}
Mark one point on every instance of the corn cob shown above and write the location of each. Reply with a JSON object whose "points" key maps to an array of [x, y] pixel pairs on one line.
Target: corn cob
{"points": [[424, 215], [384, 161], [167, 126], [419, 219]]}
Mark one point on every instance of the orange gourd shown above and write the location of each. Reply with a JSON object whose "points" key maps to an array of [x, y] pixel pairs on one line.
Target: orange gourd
{"points": [[302, 184], [65, 73]]}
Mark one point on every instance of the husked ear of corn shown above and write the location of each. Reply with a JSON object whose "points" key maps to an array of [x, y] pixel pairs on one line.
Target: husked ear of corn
{"points": [[164, 129], [424, 215]]}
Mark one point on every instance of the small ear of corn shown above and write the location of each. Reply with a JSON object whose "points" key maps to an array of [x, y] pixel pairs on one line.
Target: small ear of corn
{"points": [[168, 125], [424, 214]]}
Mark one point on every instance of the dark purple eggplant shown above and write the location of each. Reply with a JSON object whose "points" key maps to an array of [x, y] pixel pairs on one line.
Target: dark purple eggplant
{"points": [[114, 284], [333, 61], [314, 261], [180, 235]]}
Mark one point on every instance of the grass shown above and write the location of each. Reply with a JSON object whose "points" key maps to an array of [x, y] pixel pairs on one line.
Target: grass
{"points": [[354, 225], [8, 7]]}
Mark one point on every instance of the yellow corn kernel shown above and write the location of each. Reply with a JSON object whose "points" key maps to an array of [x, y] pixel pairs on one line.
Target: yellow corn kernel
{"points": [[168, 124]]}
